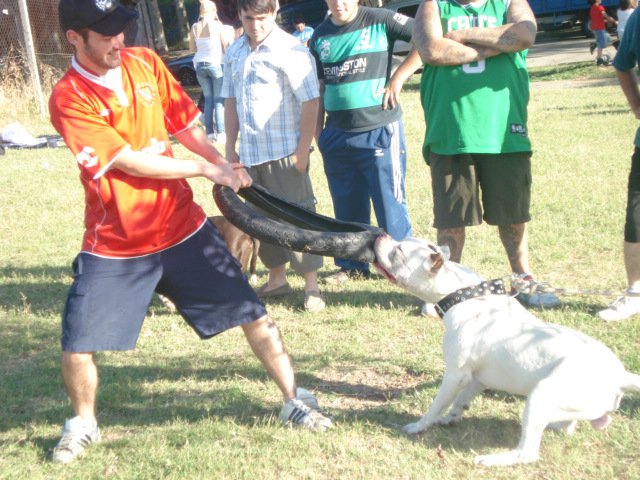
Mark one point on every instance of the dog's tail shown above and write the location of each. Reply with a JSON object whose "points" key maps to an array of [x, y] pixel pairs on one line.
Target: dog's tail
{"points": [[631, 381], [253, 277]]}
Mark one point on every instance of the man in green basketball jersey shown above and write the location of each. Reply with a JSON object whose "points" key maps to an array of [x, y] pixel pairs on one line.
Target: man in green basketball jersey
{"points": [[475, 91]]}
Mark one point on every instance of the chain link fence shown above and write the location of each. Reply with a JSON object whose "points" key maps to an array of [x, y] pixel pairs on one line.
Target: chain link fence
{"points": [[34, 52]]}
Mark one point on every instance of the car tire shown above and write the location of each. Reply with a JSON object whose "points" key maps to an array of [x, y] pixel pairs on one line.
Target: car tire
{"points": [[187, 77], [307, 231]]}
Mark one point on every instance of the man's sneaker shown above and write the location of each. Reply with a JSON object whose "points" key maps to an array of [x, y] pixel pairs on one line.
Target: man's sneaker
{"points": [[344, 275], [531, 293], [621, 309], [429, 310], [221, 138], [298, 413], [77, 434], [307, 398]]}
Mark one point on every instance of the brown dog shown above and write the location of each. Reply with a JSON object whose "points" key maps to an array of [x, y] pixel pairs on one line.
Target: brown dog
{"points": [[242, 246]]}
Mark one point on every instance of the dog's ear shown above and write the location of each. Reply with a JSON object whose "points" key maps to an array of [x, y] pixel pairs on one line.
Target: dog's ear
{"points": [[446, 253], [437, 260]]}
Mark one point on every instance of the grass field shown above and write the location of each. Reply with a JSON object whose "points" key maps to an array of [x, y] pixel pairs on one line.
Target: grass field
{"points": [[178, 408]]}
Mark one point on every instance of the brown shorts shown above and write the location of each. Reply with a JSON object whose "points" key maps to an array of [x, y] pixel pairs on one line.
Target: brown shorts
{"points": [[282, 179], [465, 185]]}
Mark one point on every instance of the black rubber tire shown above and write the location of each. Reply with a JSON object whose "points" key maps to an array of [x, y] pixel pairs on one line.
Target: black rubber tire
{"points": [[308, 232]]}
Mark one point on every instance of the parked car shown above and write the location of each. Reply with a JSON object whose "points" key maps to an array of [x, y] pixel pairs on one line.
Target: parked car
{"points": [[313, 12], [550, 15], [183, 70]]}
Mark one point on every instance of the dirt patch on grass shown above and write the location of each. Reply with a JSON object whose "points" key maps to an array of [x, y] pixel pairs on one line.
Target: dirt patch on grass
{"points": [[360, 387]]}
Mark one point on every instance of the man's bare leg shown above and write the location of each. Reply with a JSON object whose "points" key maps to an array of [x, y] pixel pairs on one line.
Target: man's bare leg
{"points": [[80, 375], [632, 265], [515, 240], [265, 341], [454, 239]]}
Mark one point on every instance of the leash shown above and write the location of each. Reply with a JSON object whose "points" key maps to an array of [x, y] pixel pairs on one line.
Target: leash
{"points": [[520, 285]]}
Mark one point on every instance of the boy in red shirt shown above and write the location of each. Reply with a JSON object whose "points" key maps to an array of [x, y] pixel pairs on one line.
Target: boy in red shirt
{"points": [[599, 19]]}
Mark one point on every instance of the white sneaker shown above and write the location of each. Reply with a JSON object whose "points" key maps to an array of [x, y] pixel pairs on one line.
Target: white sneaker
{"points": [[621, 309], [221, 138], [429, 310], [77, 434], [298, 413], [532, 293], [211, 136], [306, 397]]}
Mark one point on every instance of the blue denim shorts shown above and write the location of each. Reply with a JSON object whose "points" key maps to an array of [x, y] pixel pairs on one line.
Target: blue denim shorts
{"points": [[109, 297], [603, 39]]}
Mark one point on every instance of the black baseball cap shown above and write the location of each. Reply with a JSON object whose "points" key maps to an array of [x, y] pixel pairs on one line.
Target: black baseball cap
{"points": [[106, 17]]}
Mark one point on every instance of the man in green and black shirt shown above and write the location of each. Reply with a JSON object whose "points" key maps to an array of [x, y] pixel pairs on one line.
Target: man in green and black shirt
{"points": [[362, 142], [475, 91]]}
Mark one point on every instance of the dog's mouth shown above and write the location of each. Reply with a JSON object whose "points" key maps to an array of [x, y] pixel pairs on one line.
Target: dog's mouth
{"points": [[388, 275]]}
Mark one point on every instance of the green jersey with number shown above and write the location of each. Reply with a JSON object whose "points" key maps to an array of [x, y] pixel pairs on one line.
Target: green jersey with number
{"points": [[478, 107]]}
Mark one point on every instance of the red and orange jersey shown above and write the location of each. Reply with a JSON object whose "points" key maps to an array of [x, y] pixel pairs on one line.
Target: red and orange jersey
{"points": [[135, 106]]}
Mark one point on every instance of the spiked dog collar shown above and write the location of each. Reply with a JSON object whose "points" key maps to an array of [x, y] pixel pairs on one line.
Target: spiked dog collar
{"points": [[491, 287]]}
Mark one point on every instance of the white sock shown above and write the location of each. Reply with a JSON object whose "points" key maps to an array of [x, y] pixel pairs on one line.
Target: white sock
{"points": [[633, 290]]}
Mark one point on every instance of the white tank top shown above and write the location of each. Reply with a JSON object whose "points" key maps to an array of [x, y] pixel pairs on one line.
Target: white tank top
{"points": [[208, 49]]}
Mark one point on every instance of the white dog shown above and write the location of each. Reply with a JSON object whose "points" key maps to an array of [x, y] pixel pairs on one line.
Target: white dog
{"points": [[491, 341]]}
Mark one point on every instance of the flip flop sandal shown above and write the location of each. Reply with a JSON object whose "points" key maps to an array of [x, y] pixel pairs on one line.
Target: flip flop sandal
{"points": [[280, 291]]}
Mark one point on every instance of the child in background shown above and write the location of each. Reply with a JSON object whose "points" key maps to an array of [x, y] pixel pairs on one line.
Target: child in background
{"points": [[599, 19], [625, 9]]}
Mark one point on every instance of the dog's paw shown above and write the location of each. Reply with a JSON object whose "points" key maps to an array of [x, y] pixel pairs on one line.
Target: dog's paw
{"points": [[414, 428], [167, 303], [602, 423], [568, 427], [504, 459], [450, 419]]}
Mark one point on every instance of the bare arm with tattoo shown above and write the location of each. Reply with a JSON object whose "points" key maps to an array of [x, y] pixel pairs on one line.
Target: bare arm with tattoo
{"points": [[516, 35], [435, 48]]}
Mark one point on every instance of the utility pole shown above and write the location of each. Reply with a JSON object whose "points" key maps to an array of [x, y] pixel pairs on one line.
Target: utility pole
{"points": [[31, 57]]}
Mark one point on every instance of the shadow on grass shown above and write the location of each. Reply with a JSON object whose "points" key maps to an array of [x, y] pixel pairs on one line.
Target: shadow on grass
{"points": [[40, 291], [172, 391], [124, 402]]}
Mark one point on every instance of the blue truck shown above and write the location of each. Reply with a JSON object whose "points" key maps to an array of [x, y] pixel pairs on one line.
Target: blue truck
{"points": [[557, 14], [550, 14]]}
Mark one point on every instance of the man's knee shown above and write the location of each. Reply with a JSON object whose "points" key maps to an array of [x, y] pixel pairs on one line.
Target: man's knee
{"points": [[77, 359]]}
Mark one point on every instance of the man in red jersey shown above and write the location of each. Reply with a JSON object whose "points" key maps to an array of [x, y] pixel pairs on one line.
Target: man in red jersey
{"points": [[115, 108]]}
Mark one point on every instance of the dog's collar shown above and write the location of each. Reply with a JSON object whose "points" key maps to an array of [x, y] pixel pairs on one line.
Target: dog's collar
{"points": [[492, 287]]}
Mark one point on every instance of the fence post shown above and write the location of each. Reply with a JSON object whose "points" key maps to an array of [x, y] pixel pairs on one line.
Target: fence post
{"points": [[31, 55]]}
